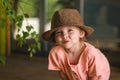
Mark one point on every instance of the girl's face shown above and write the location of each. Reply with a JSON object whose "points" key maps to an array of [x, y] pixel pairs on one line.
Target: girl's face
{"points": [[69, 36]]}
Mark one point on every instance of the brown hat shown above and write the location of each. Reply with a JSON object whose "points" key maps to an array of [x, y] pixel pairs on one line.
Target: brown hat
{"points": [[66, 17]]}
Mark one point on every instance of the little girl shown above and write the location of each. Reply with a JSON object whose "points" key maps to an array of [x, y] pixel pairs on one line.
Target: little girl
{"points": [[72, 56]]}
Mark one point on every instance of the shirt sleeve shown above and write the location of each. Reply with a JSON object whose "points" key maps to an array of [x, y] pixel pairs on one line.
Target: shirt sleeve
{"points": [[92, 67], [98, 64], [53, 60]]}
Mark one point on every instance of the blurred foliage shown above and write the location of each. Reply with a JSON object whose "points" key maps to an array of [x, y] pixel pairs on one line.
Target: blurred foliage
{"points": [[2, 60], [54, 5], [66, 3], [8, 10], [2, 29], [26, 7], [30, 7], [51, 8]]}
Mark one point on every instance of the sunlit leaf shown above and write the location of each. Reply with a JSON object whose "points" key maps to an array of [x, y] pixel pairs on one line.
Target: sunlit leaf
{"points": [[33, 34], [26, 15], [17, 36], [19, 24], [38, 46], [29, 28], [25, 34], [19, 18]]}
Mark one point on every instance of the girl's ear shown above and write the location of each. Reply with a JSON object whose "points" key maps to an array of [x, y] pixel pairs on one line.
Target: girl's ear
{"points": [[82, 33]]}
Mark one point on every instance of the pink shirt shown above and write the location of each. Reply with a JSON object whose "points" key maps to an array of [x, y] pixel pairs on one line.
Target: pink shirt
{"points": [[91, 63]]}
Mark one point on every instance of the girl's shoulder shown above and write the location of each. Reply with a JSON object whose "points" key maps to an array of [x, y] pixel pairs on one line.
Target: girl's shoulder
{"points": [[91, 50], [57, 50], [89, 47]]}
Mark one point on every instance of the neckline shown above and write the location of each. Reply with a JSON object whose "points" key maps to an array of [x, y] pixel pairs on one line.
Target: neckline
{"points": [[79, 59]]}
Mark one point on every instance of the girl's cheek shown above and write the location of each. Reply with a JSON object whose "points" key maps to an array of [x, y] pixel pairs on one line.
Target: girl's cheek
{"points": [[59, 40]]}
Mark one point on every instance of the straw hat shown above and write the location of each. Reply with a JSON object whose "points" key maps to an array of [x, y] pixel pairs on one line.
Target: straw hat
{"points": [[66, 17]]}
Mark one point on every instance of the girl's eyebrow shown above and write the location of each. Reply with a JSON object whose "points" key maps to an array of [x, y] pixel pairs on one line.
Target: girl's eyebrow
{"points": [[57, 31]]}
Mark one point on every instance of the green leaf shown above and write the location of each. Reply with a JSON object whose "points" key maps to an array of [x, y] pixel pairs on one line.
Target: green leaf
{"points": [[19, 18], [3, 60], [26, 15], [31, 54], [29, 28], [19, 24], [18, 30], [25, 34], [18, 36], [20, 40], [33, 34], [38, 45], [36, 37], [19, 21], [3, 23]]}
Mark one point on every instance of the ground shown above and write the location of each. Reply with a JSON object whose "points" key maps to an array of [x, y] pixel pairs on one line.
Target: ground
{"points": [[21, 67]]}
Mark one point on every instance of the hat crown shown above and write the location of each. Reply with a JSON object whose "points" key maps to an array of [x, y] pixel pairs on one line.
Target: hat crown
{"points": [[66, 17]]}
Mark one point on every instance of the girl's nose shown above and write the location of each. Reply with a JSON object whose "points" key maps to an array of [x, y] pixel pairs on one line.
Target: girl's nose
{"points": [[65, 35]]}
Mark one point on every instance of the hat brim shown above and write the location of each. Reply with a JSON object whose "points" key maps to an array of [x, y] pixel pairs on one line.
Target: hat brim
{"points": [[47, 35]]}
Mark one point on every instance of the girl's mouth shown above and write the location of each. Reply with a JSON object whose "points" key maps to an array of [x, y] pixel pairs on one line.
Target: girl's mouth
{"points": [[64, 42]]}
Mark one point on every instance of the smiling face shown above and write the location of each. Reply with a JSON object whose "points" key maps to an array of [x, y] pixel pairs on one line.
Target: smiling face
{"points": [[69, 36]]}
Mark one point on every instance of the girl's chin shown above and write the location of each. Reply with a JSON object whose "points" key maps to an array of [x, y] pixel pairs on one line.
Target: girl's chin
{"points": [[66, 47]]}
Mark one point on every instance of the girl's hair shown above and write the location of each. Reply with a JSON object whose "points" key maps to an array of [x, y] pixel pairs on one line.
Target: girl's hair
{"points": [[52, 37]]}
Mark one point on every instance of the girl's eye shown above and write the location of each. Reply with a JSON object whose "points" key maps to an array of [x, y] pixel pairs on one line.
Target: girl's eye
{"points": [[70, 30], [58, 33]]}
